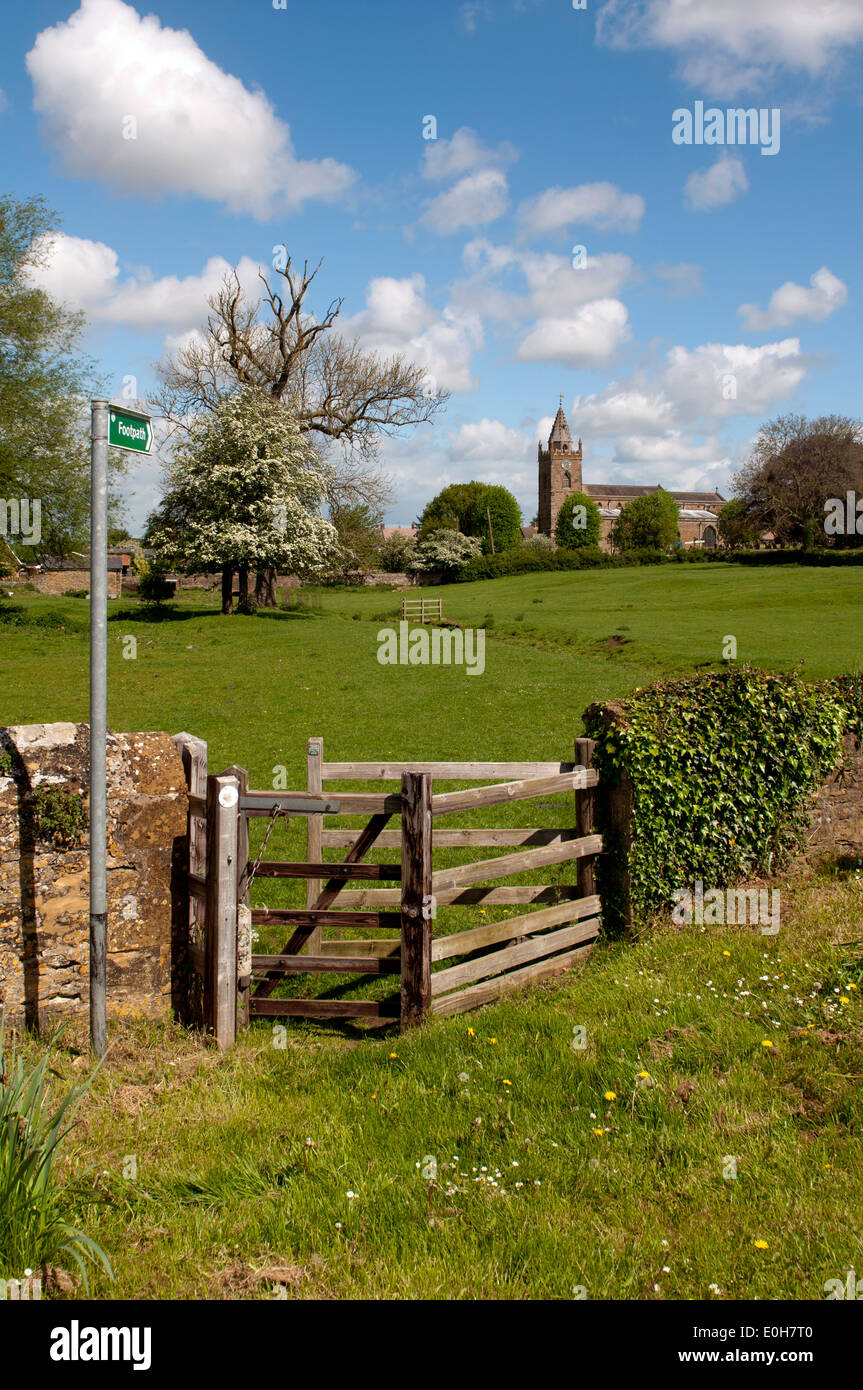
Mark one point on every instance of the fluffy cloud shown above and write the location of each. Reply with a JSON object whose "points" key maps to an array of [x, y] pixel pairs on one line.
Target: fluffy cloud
{"points": [[714, 187], [86, 275], [398, 318], [554, 287], [739, 44], [463, 152], [826, 294], [586, 338], [693, 389], [198, 130], [600, 205], [476, 200], [488, 441]]}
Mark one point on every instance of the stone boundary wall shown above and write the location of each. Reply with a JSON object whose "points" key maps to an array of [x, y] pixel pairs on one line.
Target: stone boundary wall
{"points": [[61, 581], [44, 907]]}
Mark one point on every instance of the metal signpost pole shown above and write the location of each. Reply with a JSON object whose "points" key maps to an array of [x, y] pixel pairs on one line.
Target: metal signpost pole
{"points": [[129, 430], [98, 721]]}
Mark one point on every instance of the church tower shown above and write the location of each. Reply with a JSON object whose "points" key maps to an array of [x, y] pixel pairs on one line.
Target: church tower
{"points": [[559, 472]]}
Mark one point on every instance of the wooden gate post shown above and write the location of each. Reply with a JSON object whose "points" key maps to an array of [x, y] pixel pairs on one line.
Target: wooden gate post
{"points": [[416, 897], [585, 810], [191, 948], [220, 964], [243, 902], [314, 833]]}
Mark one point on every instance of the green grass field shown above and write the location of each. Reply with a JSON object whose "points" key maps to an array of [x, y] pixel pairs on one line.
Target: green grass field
{"points": [[243, 1164]]}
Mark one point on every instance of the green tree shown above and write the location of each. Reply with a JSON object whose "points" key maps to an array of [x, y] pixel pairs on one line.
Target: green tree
{"points": [[452, 508], [737, 527], [648, 523], [796, 466], [465, 507], [497, 504], [244, 490], [578, 522], [45, 383], [358, 528]]}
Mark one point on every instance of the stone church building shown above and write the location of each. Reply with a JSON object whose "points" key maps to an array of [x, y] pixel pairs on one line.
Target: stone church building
{"points": [[560, 475]]}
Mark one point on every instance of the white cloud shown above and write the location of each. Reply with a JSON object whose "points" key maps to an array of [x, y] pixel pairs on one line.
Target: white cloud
{"points": [[671, 447], [80, 273], [739, 44], [86, 275], [199, 130], [826, 294], [587, 338], [463, 152], [476, 200], [693, 388], [488, 441], [714, 187], [554, 286], [601, 205], [398, 318]]}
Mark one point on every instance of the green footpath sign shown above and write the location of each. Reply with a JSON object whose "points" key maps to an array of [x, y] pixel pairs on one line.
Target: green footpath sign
{"points": [[130, 432]]}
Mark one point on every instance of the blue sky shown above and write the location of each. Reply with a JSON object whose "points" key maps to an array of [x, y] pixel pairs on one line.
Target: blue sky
{"points": [[716, 288]]}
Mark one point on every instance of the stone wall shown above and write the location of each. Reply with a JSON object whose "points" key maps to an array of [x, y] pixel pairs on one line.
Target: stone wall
{"points": [[61, 581], [44, 907], [836, 819]]}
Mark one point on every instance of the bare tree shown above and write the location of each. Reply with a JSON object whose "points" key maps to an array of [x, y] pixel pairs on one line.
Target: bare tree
{"points": [[341, 393], [795, 465]]}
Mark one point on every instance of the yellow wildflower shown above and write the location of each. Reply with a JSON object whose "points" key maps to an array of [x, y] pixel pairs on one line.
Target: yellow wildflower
{"points": [[610, 1095], [760, 1244]]}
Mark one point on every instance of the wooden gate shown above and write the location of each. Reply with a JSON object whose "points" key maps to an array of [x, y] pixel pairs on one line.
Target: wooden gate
{"points": [[492, 959]]}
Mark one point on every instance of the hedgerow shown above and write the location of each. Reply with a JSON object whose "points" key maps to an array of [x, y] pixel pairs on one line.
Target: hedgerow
{"points": [[722, 766]]}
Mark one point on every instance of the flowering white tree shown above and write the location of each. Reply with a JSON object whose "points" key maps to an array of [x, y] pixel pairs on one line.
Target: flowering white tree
{"points": [[244, 490], [445, 549]]}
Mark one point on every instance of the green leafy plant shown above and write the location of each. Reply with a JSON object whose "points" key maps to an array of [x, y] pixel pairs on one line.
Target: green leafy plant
{"points": [[34, 1226], [721, 767], [60, 816], [578, 523]]}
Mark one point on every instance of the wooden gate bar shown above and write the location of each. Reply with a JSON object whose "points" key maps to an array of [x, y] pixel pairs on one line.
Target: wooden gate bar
{"points": [[275, 869], [261, 803], [332, 965], [516, 863], [327, 896], [416, 897]]}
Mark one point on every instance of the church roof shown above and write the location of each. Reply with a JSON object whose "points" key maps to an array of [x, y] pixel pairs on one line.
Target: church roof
{"points": [[560, 429], [621, 490]]}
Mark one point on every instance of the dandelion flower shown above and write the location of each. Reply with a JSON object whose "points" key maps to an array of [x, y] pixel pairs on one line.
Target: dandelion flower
{"points": [[492, 1040], [507, 1083], [760, 1244], [610, 1095], [598, 1133], [393, 1054], [766, 1043], [644, 1074], [843, 999], [471, 1033]]}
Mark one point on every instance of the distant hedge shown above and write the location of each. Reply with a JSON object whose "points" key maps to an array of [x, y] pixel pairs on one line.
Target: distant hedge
{"points": [[818, 558], [721, 765]]}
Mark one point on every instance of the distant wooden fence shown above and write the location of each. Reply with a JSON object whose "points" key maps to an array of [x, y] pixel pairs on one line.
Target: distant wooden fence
{"points": [[422, 610], [487, 960]]}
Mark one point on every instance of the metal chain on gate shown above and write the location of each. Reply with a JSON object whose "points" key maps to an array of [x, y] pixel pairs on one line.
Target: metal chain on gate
{"points": [[244, 912], [274, 815]]}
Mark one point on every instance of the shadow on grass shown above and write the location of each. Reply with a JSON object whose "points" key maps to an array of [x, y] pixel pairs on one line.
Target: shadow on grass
{"points": [[165, 614]]}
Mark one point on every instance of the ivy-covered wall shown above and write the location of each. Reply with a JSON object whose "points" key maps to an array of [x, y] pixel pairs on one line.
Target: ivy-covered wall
{"points": [[715, 777]]}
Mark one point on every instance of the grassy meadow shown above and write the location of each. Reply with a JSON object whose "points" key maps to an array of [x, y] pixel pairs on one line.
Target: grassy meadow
{"points": [[485, 1156]]}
